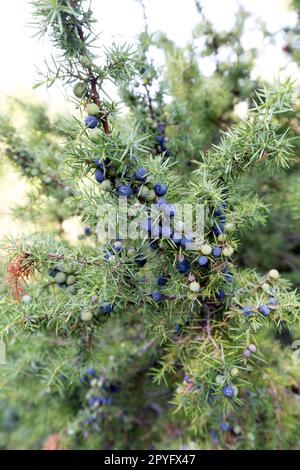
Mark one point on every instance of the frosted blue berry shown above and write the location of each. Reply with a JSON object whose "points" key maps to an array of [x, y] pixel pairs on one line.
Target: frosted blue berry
{"points": [[156, 295], [264, 309], [91, 371], [106, 308], [162, 280], [186, 242], [140, 174], [125, 190], [217, 251], [118, 246], [224, 426], [229, 277], [184, 266], [228, 390], [169, 210], [160, 189], [248, 310], [176, 238], [91, 122], [99, 176], [87, 231], [273, 301], [202, 260]]}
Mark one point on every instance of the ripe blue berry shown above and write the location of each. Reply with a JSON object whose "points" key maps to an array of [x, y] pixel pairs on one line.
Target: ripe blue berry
{"points": [[221, 294], [218, 229], [202, 260], [184, 266], [169, 210], [161, 127], [273, 301], [125, 190], [91, 371], [248, 310], [140, 174], [156, 295], [99, 176], [224, 426], [140, 260], [106, 308], [154, 245], [264, 309], [217, 251], [87, 231], [118, 246], [160, 139], [160, 189], [91, 122], [228, 390], [176, 238], [162, 280], [186, 242]]}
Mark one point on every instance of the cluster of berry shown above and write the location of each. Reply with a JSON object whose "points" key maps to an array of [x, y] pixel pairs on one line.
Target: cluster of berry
{"points": [[64, 276], [97, 397]]}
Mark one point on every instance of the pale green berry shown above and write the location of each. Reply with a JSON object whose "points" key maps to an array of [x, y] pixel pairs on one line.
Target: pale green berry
{"points": [[265, 286], [227, 251], [86, 315], [274, 274], [60, 278], [234, 372], [95, 135], [150, 196], [229, 227], [79, 89], [194, 286], [220, 379], [131, 252], [222, 237], [71, 280], [143, 191], [236, 390], [92, 109], [85, 61], [206, 250]]}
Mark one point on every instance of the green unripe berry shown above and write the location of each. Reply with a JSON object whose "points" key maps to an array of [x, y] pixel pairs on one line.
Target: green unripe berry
{"points": [[143, 192], [222, 237], [79, 89], [85, 61], [71, 280], [206, 250], [150, 195], [229, 227], [86, 315], [131, 252], [227, 251], [265, 286], [95, 135], [234, 372], [274, 274], [92, 109], [194, 286], [220, 379], [60, 278]]}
